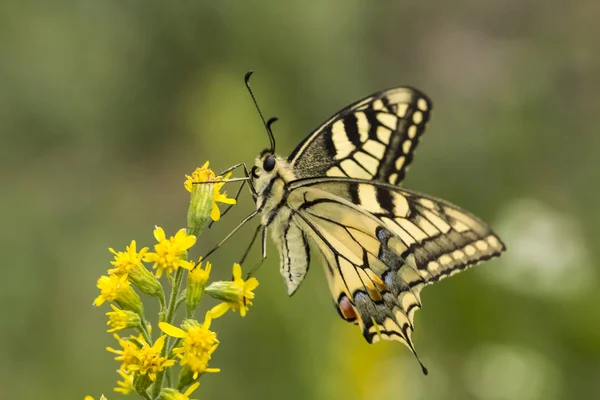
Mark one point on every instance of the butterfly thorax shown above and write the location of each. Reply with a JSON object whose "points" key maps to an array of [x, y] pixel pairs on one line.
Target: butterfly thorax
{"points": [[271, 186]]}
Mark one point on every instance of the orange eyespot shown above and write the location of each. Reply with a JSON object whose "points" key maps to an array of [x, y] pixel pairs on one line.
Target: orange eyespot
{"points": [[347, 309]]}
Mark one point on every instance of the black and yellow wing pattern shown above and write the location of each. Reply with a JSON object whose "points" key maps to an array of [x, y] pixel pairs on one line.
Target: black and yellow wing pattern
{"points": [[372, 139], [383, 244]]}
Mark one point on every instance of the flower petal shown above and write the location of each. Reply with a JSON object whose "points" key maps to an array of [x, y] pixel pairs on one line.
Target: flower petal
{"points": [[219, 310], [159, 234], [215, 213], [160, 343], [224, 199], [251, 284], [237, 271], [171, 330], [188, 242], [191, 389]]}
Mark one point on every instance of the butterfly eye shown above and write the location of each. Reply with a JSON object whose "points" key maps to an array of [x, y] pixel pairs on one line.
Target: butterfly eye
{"points": [[269, 163]]}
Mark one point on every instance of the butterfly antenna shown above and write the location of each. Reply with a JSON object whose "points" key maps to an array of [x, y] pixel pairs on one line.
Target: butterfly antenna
{"points": [[266, 124]]}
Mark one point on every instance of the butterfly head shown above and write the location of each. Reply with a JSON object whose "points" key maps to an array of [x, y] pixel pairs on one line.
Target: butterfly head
{"points": [[267, 167]]}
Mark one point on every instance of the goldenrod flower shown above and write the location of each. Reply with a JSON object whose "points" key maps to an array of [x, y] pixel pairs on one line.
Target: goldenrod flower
{"points": [[128, 354], [172, 394], [149, 361], [197, 346], [169, 254], [215, 213], [200, 174], [126, 260], [129, 263], [91, 398], [126, 385], [202, 197], [236, 293], [118, 289], [204, 174], [196, 282], [121, 319]]}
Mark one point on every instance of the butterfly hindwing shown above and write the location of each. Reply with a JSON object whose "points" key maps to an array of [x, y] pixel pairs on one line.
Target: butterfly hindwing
{"points": [[373, 138], [382, 244]]}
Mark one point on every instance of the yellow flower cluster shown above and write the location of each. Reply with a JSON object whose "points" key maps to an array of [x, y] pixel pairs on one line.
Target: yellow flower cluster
{"points": [[204, 174], [144, 361]]}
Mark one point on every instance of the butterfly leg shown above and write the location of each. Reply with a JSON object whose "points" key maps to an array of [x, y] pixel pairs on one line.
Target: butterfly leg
{"points": [[244, 221], [239, 190], [264, 250], [246, 175], [254, 236]]}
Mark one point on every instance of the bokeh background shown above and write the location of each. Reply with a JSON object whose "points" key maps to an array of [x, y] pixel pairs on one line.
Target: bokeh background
{"points": [[105, 105]]}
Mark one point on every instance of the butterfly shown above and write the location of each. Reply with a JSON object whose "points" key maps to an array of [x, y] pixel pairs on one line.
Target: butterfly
{"points": [[380, 243]]}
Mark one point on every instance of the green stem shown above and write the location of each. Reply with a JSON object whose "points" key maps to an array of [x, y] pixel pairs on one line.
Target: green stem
{"points": [[169, 381], [174, 293], [161, 299], [143, 328], [170, 314], [146, 396]]}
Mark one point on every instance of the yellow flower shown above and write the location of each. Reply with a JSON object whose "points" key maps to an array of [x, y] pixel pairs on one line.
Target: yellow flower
{"points": [[198, 275], [129, 263], [197, 346], [91, 398], [215, 213], [204, 174], [196, 281], [121, 319], [126, 260], [128, 354], [149, 361], [118, 289], [201, 174], [236, 294], [169, 254], [172, 394], [126, 385]]}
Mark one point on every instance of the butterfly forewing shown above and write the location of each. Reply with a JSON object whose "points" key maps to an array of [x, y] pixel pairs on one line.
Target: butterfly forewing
{"points": [[373, 138]]}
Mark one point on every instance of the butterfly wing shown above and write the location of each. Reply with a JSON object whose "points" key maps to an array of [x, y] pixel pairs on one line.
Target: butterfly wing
{"points": [[383, 244], [373, 138]]}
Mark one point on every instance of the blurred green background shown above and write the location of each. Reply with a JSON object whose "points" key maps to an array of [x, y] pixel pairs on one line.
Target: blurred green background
{"points": [[105, 105]]}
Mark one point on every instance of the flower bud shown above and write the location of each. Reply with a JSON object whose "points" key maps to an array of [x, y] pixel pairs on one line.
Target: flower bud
{"points": [[130, 301], [172, 394], [122, 319], [141, 383], [196, 282], [145, 281], [118, 289], [201, 199], [186, 376], [226, 291]]}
